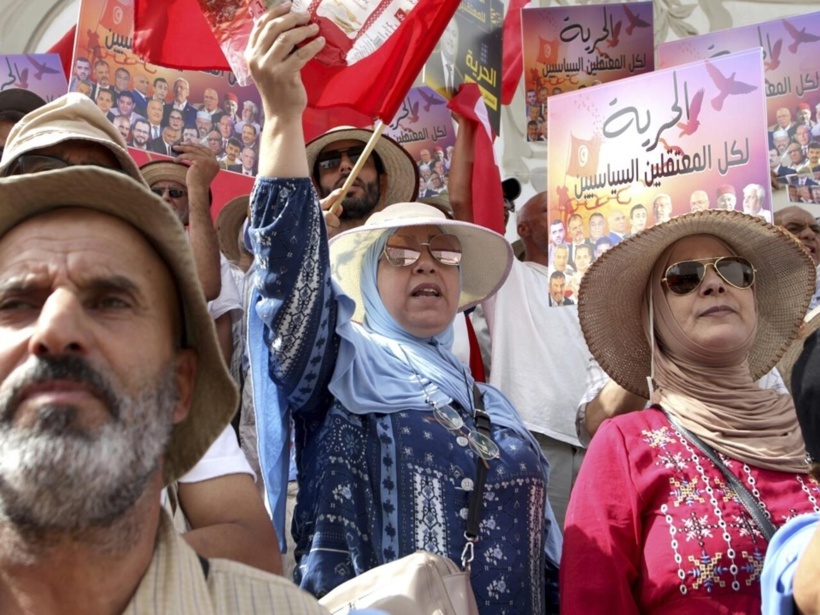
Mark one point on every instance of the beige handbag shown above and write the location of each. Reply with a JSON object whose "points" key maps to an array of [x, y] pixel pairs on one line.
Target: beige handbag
{"points": [[419, 584]]}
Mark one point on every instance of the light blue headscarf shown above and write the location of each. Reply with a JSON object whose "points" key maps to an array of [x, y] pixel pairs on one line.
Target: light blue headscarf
{"points": [[372, 370]]}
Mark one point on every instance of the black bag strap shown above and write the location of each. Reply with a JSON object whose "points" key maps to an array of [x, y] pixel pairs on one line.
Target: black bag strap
{"points": [[206, 565], [476, 507], [482, 424], [747, 499]]}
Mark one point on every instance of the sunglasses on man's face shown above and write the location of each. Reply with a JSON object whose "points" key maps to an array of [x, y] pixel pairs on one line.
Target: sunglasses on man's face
{"points": [[405, 250], [330, 161], [174, 193], [686, 276]]}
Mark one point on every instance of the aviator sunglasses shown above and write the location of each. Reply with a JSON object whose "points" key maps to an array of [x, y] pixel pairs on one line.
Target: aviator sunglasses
{"points": [[405, 250], [174, 193], [331, 160], [686, 276]]}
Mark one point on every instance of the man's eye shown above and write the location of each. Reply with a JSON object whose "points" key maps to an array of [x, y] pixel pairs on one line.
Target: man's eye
{"points": [[15, 304], [111, 302]]}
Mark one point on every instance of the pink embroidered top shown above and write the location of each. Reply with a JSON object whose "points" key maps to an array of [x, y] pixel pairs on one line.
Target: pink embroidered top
{"points": [[652, 526]]}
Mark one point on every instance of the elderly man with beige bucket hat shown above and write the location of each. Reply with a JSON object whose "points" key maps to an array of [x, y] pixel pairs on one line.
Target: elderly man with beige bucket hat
{"points": [[111, 386], [225, 514]]}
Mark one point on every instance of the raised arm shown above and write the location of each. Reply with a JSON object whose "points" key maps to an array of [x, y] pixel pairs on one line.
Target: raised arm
{"points": [[202, 170], [461, 170], [275, 64], [287, 230]]}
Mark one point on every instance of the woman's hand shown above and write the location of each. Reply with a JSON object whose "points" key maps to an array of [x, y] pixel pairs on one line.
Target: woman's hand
{"points": [[275, 62], [275, 59]]}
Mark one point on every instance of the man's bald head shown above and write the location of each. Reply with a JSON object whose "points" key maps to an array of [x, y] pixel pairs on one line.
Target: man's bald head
{"points": [[533, 227], [803, 226]]}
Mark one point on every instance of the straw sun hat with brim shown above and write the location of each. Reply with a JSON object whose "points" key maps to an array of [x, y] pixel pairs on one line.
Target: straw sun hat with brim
{"points": [[228, 224], [811, 323], [215, 396], [22, 101], [613, 290], [402, 173], [73, 116], [485, 264]]}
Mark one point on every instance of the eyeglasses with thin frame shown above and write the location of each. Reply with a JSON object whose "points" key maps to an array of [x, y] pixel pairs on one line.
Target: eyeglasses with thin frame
{"points": [[685, 277], [330, 161], [449, 418], [174, 193], [405, 250]]}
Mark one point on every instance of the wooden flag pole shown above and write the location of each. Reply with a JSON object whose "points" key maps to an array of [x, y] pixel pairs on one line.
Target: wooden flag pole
{"points": [[377, 133]]}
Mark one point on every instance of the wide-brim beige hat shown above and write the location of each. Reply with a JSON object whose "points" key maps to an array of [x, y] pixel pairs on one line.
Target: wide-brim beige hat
{"points": [[228, 223], [73, 116], [20, 100], [440, 202], [485, 264], [215, 396], [613, 290], [402, 173]]}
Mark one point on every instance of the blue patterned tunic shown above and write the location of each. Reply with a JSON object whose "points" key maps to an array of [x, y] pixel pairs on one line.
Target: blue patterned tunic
{"points": [[376, 487]]}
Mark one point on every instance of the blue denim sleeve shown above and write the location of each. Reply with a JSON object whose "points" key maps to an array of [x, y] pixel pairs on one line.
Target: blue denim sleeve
{"points": [[295, 297], [785, 549], [291, 341]]}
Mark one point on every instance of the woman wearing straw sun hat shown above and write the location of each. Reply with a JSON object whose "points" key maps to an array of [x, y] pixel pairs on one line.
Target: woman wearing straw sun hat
{"points": [[673, 505], [393, 436]]}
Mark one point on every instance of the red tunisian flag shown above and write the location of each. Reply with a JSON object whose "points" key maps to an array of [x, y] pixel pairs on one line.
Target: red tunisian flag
{"points": [[65, 49], [547, 50], [488, 199], [116, 13], [583, 156], [169, 34], [512, 61]]}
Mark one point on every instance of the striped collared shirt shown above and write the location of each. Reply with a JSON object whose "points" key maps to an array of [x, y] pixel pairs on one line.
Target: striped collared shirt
{"points": [[175, 583]]}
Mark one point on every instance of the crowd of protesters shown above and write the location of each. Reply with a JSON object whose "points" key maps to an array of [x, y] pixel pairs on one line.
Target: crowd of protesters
{"points": [[244, 416]]}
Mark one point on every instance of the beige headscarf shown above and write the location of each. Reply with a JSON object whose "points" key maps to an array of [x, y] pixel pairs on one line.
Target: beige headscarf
{"points": [[712, 394]]}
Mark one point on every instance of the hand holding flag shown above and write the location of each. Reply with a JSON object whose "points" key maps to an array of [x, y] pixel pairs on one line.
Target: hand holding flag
{"points": [[280, 45]]}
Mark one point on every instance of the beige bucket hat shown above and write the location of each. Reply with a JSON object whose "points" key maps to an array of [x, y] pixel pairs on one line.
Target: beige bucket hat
{"points": [[215, 396], [73, 116]]}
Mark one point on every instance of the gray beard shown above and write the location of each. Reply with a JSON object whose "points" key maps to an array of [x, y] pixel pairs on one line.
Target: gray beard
{"points": [[58, 476]]}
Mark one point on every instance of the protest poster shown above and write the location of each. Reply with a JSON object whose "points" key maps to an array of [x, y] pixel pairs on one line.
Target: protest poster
{"points": [[154, 107], [792, 82], [470, 52], [41, 73], [626, 155], [424, 127], [566, 48]]}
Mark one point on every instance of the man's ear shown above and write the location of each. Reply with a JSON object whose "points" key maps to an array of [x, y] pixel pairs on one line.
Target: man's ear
{"points": [[186, 362], [523, 229]]}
